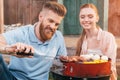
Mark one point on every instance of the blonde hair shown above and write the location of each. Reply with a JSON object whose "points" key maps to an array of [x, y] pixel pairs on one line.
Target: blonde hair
{"points": [[80, 40]]}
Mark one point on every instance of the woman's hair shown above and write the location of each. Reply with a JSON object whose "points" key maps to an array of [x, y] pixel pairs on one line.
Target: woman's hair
{"points": [[80, 40], [90, 5], [55, 7]]}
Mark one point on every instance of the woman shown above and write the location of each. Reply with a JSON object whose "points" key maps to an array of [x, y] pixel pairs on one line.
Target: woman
{"points": [[93, 39]]}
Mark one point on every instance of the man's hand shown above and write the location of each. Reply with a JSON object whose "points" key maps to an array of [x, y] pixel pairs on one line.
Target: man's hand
{"points": [[20, 50], [72, 59]]}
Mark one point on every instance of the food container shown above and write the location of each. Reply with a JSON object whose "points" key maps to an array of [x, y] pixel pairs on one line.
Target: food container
{"points": [[77, 69]]}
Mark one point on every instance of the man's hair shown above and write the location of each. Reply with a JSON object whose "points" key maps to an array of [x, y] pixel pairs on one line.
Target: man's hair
{"points": [[55, 7]]}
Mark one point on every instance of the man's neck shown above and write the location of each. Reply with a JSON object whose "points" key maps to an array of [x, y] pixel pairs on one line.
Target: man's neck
{"points": [[37, 33]]}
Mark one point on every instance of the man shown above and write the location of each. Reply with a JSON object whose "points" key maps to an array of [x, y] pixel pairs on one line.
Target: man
{"points": [[42, 39]]}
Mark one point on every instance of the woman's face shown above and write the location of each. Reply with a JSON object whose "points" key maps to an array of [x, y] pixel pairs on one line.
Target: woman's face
{"points": [[88, 18]]}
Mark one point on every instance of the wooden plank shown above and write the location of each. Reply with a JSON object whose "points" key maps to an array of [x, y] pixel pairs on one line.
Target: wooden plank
{"points": [[1, 17], [24, 11], [36, 6], [114, 17], [10, 11]]}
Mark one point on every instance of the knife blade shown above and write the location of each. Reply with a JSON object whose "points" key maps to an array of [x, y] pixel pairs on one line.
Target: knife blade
{"points": [[47, 56]]}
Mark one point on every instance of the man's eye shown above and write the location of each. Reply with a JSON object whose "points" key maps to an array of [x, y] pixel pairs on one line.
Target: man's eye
{"points": [[57, 24], [51, 21]]}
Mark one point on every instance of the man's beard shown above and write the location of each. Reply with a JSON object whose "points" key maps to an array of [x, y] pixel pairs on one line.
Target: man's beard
{"points": [[46, 33]]}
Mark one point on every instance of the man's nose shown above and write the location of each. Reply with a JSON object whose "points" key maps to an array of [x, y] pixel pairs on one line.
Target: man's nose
{"points": [[52, 25]]}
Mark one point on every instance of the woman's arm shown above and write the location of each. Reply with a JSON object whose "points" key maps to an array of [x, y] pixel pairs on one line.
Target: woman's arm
{"points": [[111, 52]]}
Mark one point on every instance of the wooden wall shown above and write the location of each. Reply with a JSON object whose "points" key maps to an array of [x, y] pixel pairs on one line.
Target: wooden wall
{"points": [[114, 17], [22, 11], [26, 12], [1, 16]]}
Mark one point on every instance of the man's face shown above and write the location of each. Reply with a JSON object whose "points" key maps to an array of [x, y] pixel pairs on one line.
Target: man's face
{"points": [[49, 25], [46, 32]]}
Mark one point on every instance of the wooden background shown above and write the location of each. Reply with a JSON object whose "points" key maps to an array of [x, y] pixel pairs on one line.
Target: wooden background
{"points": [[22, 11], [26, 12], [114, 17]]}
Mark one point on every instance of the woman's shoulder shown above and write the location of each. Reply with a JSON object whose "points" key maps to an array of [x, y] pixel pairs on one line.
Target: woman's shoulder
{"points": [[107, 34]]}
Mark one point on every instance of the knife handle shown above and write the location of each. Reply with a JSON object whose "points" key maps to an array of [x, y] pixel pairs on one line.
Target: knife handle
{"points": [[25, 54]]}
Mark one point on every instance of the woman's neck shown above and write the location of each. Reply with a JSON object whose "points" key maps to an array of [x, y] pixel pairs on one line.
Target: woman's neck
{"points": [[92, 32]]}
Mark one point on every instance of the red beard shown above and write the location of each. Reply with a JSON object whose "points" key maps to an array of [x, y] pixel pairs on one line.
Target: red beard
{"points": [[46, 33]]}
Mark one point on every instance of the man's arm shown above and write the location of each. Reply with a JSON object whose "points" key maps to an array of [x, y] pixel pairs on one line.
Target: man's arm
{"points": [[3, 44], [15, 48]]}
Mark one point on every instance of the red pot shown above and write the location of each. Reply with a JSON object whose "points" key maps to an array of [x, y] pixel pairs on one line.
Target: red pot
{"points": [[75, 69]]}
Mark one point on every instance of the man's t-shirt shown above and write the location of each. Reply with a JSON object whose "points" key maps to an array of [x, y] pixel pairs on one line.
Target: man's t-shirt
{"points": [[36, 68]]}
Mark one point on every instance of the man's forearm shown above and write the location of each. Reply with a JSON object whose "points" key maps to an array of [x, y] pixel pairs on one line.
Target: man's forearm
{"points": [[3, 45], [3, 49]]}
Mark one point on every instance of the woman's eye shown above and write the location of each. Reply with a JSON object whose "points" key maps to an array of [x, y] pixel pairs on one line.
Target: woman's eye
{"points": [[82, 17], [90, 16]]}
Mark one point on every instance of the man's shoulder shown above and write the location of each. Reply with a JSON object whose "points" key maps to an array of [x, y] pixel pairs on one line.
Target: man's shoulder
{"points": [[58, 33], [20, 31], [26, 26], [24, 29]]}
